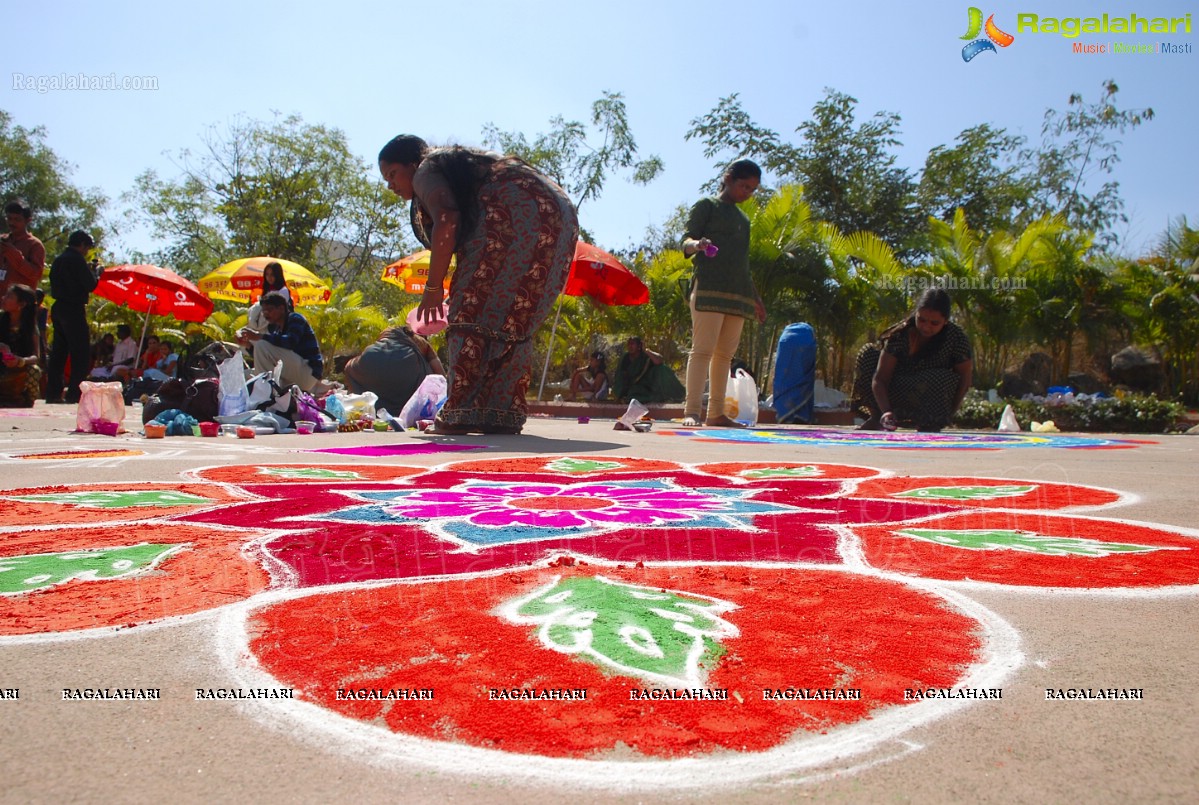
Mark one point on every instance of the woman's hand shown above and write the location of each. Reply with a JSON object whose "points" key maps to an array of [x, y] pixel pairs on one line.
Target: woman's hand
{"points": [[431, 303], [760, 309]]}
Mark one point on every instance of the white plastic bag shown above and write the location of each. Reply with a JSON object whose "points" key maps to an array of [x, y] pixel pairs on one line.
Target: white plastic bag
{"points": [[1007, 421], [741, 399], [231, 394], [425, 402], [634, 412], [99, 402]]}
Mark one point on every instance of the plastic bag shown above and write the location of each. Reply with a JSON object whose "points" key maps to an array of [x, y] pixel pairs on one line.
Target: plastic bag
{"points": [[741, 400], [99, 402], [632, 414], [348, 407], [1007, 421], [233, 396], [425, 402]]}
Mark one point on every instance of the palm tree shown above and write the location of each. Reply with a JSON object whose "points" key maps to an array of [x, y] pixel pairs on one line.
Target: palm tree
{"points": [[992, 269]]}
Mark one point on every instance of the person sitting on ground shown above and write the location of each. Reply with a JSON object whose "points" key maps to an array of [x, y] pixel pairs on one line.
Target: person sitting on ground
{"points": [[917, 373], [124, 357], [393, 368], [641, 375], [102, 351], [20, 348], [149, 355], [289, 338], [168, 361], [591, 381]]}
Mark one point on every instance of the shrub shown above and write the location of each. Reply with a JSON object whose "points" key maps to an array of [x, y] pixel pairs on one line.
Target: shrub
{"points": [[1139, 413]]}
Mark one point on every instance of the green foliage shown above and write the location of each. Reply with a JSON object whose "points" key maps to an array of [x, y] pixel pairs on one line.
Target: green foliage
{"points": [[1079, 149], [285, 188], [30, 169], [569, 156], [345, 326], [1129, 414], [979, 175]]}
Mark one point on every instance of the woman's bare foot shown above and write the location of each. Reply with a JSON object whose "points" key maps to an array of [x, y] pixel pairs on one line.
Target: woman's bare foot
{"points": [[690, 421], [723, 421], [871, 424]]}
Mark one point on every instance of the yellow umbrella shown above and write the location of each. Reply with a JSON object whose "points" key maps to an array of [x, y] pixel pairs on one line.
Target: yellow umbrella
{"points": [[241, 281], [411, 272]]}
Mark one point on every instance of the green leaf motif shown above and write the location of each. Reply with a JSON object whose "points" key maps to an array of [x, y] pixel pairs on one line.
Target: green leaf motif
{"points": [[783, 472], [23, 574], [985, 540], [662, 636], [117, 500], [967, 492], [310, 472], [577, 465]]}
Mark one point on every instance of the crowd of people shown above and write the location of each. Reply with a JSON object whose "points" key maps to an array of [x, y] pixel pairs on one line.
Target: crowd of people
{"points": [[511, 232]]}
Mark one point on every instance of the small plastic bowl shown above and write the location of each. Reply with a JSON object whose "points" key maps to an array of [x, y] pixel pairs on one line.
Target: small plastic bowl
{"points": [[432, 327], [381, 425], [106, 428], [209, 428], [245, 432], [155, 430], [304, 427]]}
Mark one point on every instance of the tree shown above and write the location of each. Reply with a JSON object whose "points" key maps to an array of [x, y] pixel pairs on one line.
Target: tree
{"points": [[847, 169], [980, 175], [567, 154], [30, 169], [1079, 149], [285, 189]]}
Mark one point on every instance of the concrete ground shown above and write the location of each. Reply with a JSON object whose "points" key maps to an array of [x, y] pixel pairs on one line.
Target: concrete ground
{"points": [[1020, 749]]}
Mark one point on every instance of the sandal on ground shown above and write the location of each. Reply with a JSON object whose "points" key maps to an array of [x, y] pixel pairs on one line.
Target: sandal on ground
{"points": [[723, 421], [439, 428]]}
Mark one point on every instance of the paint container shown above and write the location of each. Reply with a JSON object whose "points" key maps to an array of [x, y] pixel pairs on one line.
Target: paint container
{"points": [[196, 430], [711, 249], [583, 420], [228, 430], [424, 424], [155, 430], [209, 429], [106, 428], [304, 427], [381, 425], [245, 432]]}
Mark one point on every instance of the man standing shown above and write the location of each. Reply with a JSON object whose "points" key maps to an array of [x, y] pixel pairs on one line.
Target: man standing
{"points": [[72, 281], [289, 338], [22, 256]]}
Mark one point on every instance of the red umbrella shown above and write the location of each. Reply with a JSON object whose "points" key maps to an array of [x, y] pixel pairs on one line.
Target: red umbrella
{"points": [[601, 277], [153, 289], [596, 274]]}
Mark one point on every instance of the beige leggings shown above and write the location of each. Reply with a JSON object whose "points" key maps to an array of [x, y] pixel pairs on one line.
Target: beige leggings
{"points": [[714, 340]]}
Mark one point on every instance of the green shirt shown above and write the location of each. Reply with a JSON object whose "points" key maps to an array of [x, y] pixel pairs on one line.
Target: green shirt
{"points": [[723, 284]]}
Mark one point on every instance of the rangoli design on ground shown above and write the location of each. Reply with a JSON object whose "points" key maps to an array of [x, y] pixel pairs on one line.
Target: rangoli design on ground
{"points": [[903, 440], [580, 608]]}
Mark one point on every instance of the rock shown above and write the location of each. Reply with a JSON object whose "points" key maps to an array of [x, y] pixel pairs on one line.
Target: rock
{"points": [[1037, 370], [1013, 387], [1138, 369], [1084, 383]]}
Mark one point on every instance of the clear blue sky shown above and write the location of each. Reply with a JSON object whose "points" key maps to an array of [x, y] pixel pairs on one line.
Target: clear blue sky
{"points": [[444, 69]]}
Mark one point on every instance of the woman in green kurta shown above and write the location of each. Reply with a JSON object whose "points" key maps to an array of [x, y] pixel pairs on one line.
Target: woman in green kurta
{"points": [[722, 293]]}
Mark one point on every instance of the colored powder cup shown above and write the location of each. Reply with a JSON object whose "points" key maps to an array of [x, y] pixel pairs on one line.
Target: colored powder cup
{"points": [[209, 428], [304, 427], [106, 428], [381, 425], [583, 420], [245, 432], [711, 249], [196, 430], [155, 430]]}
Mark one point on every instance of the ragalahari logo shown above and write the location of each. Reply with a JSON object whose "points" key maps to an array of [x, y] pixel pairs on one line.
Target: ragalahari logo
{"points": [[994, 35]]}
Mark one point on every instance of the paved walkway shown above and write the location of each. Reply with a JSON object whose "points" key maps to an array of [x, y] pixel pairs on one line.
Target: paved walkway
{"points": [[1018, 622]]}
